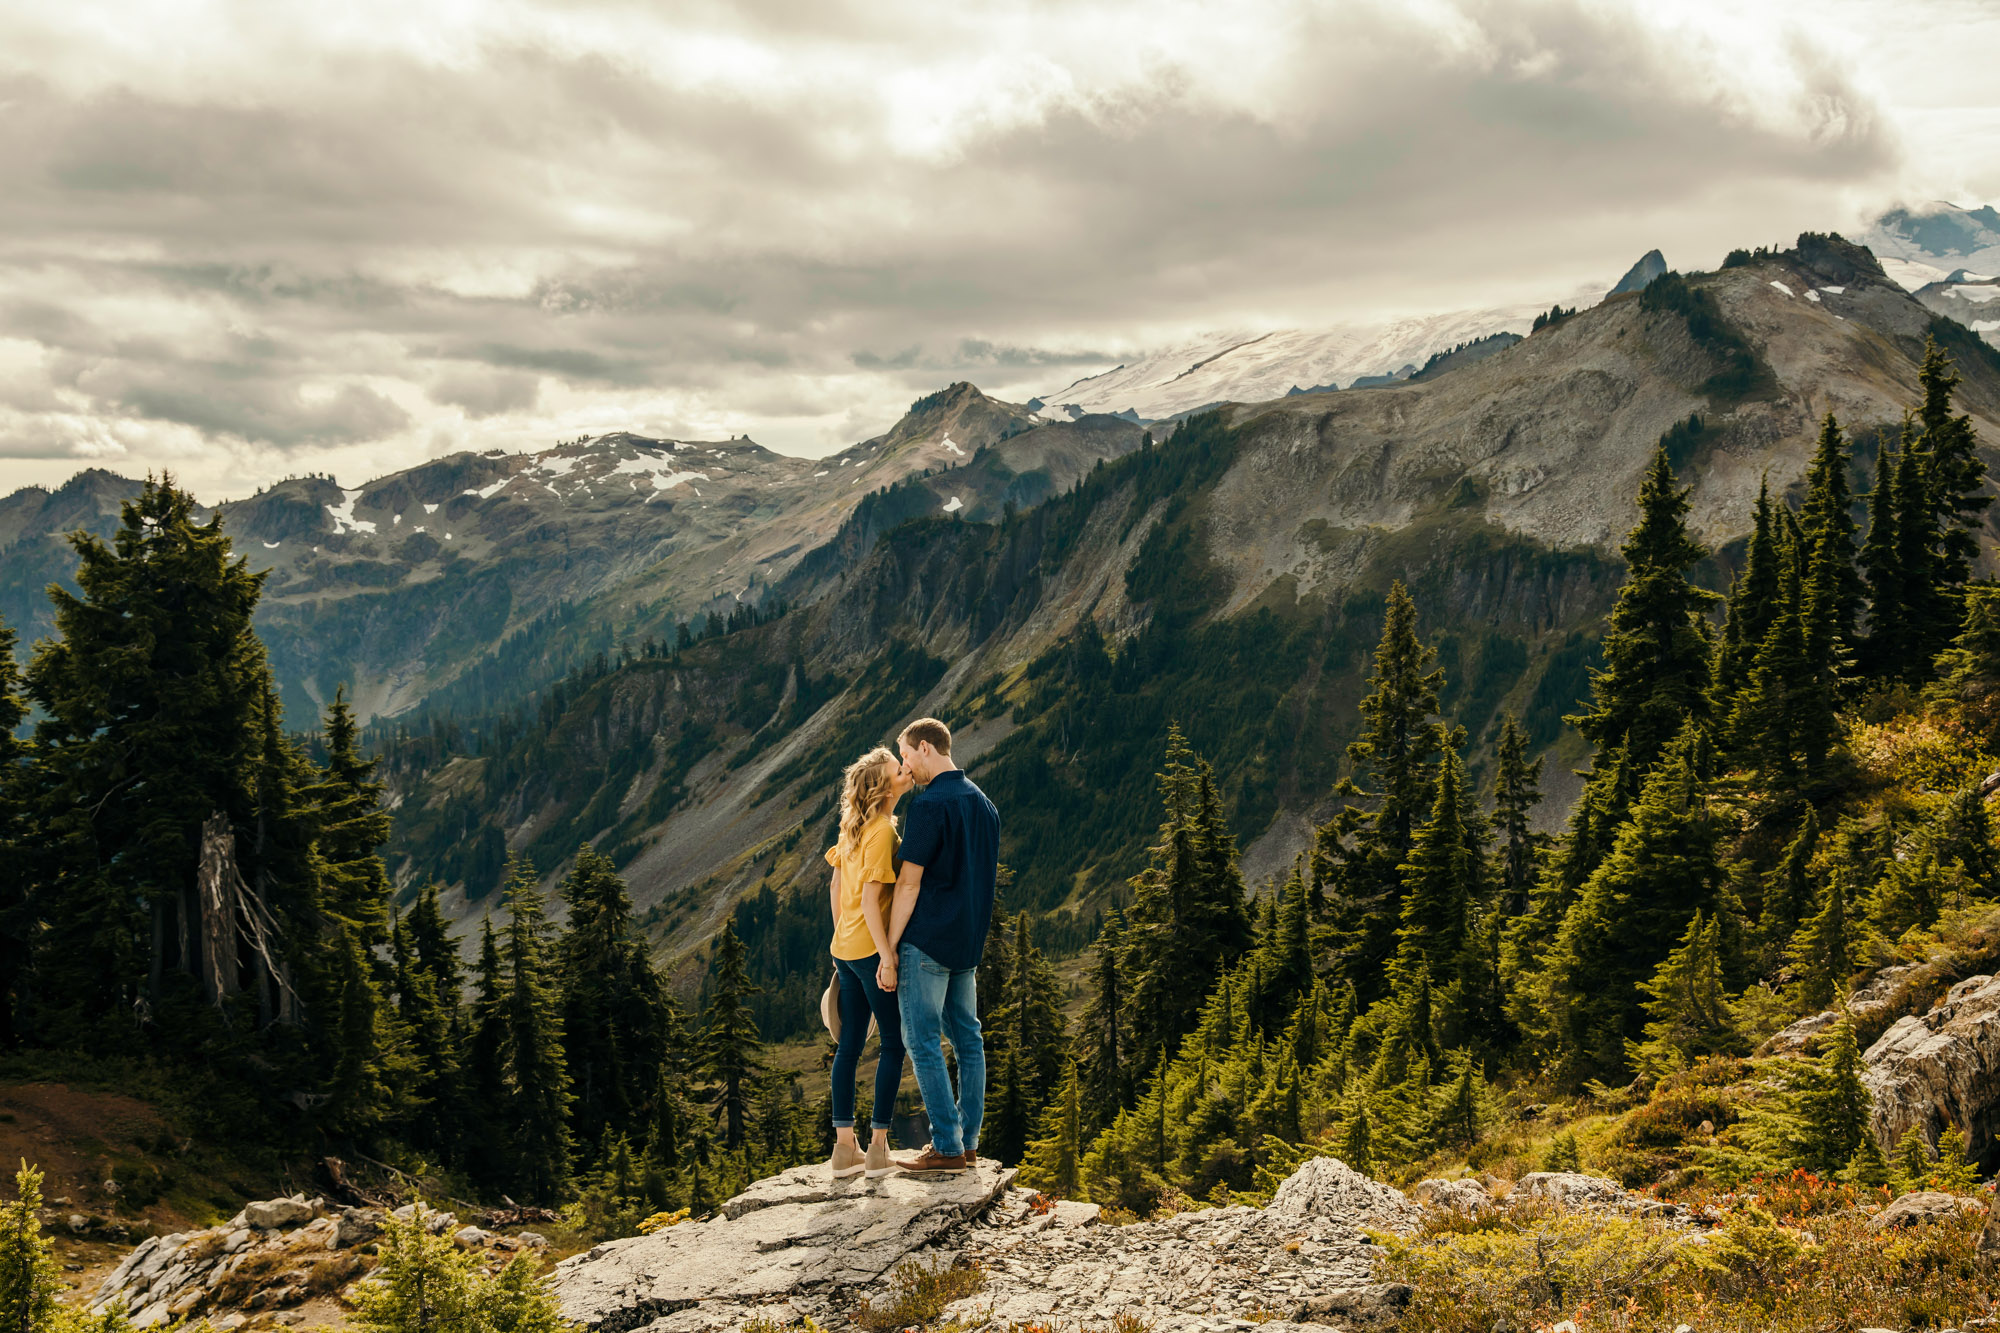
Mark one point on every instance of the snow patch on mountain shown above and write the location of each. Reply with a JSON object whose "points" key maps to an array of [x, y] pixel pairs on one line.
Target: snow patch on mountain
{"points": [[1250, 367], [343, 514]]}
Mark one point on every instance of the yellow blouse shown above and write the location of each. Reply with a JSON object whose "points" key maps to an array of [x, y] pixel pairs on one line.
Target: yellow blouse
{"points": [[871, 860]]}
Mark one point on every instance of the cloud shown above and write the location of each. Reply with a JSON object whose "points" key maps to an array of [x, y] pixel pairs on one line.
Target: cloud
{"points": [[345, 232]]}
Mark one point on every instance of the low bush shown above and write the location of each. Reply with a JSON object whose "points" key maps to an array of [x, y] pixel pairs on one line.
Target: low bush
{"points": [[918, 1293], [1795, 1258]]}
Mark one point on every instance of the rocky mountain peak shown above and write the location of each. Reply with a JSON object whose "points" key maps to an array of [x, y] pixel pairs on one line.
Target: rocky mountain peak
{"points": [[1651, 265]]}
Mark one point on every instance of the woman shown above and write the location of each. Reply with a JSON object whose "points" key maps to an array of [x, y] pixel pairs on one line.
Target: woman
{"points": [[864, 875]]}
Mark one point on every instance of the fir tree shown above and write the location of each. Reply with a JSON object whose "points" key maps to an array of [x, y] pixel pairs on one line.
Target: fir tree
{"points": [[486, 1063], [31, 1283], [1188, 920], [153, 695], [1867, 1166], [1101, 1043], [1516, 793], [1958, 491], [1833, 1104], [352, 825], [1833, 583], [431, 1029], [1656, 672], [1823, 949], [1753, 601], [613, 1001], [1910, 1163], [1887, 644], [1563, 1154], [1457, 1119], [1690, 1015], [538, 1080], [1440, 881], [1662, 869], [1968, 672], [1357, 1141], [1055, 1157], [1361, 852], [16, 925], [374, 1079], [1929, 612], [1789, 891], [731, 1048]]}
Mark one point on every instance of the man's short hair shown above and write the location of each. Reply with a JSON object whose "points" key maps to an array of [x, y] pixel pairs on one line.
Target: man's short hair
{"points": [[927, 729]]}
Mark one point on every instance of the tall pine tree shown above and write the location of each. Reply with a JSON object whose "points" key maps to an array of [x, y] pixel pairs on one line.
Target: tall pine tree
{"points": [[732, 1050], [538, 1081]]}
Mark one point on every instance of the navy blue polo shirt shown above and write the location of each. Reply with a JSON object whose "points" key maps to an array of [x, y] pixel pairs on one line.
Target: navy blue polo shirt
{"points": [[953, 832]]}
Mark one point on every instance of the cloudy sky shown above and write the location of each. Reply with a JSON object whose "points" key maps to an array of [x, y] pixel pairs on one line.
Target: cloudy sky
{"points": [[249, 238]]}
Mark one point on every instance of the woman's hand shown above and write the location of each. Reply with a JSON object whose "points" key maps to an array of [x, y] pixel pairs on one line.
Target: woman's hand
{"points": [[885, 973]]}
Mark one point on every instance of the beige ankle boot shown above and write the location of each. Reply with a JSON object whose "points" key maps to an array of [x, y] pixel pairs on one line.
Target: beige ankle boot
{"points": [[846, 1160], [878, 1162]]}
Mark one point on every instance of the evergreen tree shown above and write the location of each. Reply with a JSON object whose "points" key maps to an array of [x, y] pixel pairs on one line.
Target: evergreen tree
{"points": [[352, 825], [430, 1026], [437, 951], [1690, 1015], [1440, 881], [1456, 1121], [153, 694], [1783, 721], [1834, 1104], [1958, 491], [375, 1075], [1929, 612], [1968, 672], [16, 925], [1516, 793], [1823, 949], [1887, 644], [1662, 869], [731, 1048], [1357, 1141], [1101, 1043], [1656, 672], [1055, 1158], [1563, 1154], [1361, 852], [538, 1081], [1867, 1166], [1753, 600], [1188, 920], [613, 1001], [1910, 1163], [31, 1283], [1834, 583], [1789, 891]]}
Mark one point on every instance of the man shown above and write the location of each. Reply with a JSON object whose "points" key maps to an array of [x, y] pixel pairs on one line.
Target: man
{"points": [[937, 932]]}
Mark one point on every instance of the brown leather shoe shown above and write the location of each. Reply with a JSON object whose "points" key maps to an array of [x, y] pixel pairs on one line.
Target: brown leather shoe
{"points": [[930, 1160]]}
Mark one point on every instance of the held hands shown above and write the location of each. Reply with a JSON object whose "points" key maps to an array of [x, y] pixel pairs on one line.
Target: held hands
{"points": [[885, 973]]}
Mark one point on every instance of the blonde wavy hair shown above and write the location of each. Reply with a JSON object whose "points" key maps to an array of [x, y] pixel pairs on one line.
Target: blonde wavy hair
{"points": [[865, 792]]}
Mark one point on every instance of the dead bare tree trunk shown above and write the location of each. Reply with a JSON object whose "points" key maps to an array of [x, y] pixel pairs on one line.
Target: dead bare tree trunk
{"points": [[236, 928]]}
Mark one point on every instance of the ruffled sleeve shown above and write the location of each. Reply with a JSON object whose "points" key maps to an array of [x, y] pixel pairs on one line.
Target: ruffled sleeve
{"points": [[878, 854], [833, 855]]}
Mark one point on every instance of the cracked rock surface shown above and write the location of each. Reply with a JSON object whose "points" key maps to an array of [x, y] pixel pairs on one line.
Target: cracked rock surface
{"points": [[802, 1244]]}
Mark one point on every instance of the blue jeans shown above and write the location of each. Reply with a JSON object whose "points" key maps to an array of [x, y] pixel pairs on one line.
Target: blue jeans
{"points": [[859, 997], [941, 1003]]}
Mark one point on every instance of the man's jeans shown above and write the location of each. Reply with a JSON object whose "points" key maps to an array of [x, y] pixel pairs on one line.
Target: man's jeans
{"points": [[939, 1003]]}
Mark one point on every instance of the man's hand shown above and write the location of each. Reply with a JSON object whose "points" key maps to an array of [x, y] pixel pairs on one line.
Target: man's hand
{"points": [[885, 973]]}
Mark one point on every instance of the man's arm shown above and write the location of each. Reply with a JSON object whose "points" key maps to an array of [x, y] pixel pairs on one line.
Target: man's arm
{"points": [[908, 881]]}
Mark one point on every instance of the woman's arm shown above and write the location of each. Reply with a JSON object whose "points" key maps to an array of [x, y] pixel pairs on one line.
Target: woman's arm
{"points": [[871, 912], [835, 890]]}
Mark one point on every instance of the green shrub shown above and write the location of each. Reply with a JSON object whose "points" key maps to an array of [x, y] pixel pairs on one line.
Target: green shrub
{"points": [[917, 1295]]}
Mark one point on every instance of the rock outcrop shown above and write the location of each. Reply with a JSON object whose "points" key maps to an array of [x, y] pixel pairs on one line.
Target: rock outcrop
{"points": [[1941, 1068], [797, 1234], [275, 1254], [801, 1243]]}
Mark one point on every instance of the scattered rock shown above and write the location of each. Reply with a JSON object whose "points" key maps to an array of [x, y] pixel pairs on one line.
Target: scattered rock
{"points": [[1922, 1206], [470, 1238], [533, 1238], [78, 1222], [1329, 1187], [355, 1225], [1465, 1196], [272, 1214]]}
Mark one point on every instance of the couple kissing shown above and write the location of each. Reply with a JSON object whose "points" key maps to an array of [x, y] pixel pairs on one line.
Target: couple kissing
{"points": [[909, 926]]}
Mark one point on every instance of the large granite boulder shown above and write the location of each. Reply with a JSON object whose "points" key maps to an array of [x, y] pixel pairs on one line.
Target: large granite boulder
{"points": [[797, 1233], [1940, 1068], [801, 1244]]}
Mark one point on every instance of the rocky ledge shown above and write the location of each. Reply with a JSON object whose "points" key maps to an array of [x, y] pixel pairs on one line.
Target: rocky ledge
{"points": [[272, 1256], [801, 1244]]}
